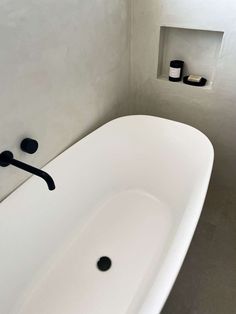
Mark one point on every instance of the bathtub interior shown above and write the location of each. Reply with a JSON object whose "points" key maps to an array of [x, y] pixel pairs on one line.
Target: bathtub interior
{"points": [[166, 162]]}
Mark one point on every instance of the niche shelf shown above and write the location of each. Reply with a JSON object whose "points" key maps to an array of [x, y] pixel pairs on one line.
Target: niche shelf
{"points": [[199, 49]]}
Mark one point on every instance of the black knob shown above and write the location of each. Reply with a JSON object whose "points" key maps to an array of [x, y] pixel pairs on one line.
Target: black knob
{"points": [[29, 145], [104, 263], [6, 158]]}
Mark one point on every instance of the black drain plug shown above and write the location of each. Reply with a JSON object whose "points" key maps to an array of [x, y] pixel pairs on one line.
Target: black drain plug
{"points": [[104, 263]]}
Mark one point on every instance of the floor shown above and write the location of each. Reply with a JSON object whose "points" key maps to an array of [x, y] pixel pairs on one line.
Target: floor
{"points": [[207, 281]]}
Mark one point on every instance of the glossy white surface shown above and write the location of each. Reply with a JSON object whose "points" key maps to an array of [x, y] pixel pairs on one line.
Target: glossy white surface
{"points": [[132, 190]]}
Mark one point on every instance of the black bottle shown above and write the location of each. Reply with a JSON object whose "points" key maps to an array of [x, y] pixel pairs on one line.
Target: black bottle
{"points": [[176, 70]]}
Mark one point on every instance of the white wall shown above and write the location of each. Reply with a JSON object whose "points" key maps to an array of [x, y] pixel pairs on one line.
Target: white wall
{"points": [[211, 110], [64, 70]]}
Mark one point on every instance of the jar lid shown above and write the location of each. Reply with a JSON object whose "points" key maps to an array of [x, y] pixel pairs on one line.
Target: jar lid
{"points": [[176, 63]]}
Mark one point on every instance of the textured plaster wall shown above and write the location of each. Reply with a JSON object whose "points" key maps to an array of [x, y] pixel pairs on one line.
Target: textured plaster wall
{"points": [[211, 110], [64, 70]]}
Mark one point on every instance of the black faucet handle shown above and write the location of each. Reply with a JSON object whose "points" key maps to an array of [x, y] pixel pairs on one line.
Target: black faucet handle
{"points": [[29, 145], [5, 158]]}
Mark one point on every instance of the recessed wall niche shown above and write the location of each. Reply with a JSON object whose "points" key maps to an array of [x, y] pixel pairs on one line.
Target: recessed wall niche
{"points": [[199, 49]]}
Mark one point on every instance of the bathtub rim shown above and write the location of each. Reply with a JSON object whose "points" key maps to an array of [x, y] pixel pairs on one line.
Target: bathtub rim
{"points": [[184, 234]]}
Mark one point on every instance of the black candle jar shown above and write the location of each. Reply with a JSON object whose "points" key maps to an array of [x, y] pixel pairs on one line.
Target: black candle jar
{"points": [[176, 70]]}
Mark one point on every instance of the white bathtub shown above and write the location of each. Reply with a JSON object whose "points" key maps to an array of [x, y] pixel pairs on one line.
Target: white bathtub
{"points": [[133, 190]]}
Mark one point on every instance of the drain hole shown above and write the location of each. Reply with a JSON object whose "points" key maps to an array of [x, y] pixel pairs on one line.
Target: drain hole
{"points": [[104, 263]]}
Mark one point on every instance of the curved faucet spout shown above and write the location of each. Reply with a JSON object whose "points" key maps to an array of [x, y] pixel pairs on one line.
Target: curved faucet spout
{"points": [[48, 179], [7, 158]]}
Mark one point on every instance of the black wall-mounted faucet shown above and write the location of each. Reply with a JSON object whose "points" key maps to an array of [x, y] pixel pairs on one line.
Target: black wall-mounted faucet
{"points": [[7, 158]]}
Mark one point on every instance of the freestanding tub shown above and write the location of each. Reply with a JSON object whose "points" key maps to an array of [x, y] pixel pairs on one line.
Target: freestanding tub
{"points": [[133, 191]]}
